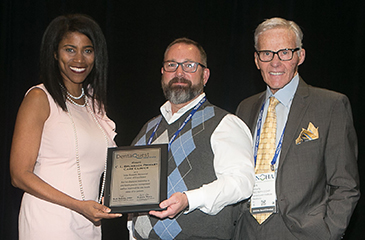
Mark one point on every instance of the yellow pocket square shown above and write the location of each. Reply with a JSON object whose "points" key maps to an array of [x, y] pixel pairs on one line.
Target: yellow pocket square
{"points": [[307, 134]]}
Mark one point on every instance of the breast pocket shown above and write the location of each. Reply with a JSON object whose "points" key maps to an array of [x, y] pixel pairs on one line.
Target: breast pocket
{"points": [[309, 150]]}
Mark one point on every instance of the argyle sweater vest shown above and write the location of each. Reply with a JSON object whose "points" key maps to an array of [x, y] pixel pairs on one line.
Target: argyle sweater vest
{"points": [[190, 165]]}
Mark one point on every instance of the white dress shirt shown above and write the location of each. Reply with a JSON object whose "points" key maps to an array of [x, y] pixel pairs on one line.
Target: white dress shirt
{"points": [[232, 147]]}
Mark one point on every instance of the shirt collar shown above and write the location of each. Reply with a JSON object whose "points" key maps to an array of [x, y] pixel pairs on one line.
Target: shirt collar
{"points": [[166, 112], [285, 94]]}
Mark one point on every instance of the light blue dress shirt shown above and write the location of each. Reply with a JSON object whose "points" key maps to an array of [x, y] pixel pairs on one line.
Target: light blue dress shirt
{"points": [[285, 97]]}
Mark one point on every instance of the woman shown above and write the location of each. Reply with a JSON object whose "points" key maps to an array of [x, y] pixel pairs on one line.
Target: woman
{"points": [[61, 136]]}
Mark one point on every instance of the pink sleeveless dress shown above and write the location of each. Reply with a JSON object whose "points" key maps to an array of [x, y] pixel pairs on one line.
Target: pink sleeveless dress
{"points": [[56, 165]]}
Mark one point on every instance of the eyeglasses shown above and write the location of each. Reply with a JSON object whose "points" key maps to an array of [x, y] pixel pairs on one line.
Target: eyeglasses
{"points": [[283, 54], [187, 66]]}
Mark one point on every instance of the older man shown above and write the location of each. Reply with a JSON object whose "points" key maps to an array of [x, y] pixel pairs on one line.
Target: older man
{"points": [[210, 162], [305, 147]]}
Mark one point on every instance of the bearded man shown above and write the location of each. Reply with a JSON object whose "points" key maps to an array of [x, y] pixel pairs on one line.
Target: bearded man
{"points": [[210, 159]]}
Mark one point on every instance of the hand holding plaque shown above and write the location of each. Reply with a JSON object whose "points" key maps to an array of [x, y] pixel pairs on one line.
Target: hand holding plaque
{"points": [[173, 205]]}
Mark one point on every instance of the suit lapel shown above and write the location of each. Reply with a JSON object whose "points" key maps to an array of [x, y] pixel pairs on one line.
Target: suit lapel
{"points": [[297, 111], [256, 109]]}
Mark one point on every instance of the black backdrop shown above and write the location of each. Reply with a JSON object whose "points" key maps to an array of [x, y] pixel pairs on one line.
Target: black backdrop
{"points": [[137, 33]]}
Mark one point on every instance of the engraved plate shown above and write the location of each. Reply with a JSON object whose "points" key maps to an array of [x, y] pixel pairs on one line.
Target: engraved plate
{"points": [[136, 178]]}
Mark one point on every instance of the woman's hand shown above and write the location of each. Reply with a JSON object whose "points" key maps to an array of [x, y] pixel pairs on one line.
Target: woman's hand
{"points": [[95, 212]]}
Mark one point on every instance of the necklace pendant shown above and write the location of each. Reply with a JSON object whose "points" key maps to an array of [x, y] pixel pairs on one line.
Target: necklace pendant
{"points": [[272, 167]]}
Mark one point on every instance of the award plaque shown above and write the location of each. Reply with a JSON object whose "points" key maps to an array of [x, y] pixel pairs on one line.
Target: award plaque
{"points": [[136, 179]]}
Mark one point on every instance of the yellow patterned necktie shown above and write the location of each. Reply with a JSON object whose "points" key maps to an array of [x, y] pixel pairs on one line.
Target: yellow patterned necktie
{"points": [[266, 149]]}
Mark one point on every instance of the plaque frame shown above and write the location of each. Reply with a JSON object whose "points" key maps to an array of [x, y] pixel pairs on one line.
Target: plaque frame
{"points": [[161, 179]]}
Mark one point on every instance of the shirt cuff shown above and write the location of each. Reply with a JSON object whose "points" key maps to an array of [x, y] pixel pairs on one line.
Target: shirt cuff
{"points": [[194, 197]]}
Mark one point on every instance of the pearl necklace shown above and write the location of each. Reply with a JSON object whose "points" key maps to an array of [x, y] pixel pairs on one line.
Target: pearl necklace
{"points": [[77, 151], [75, 103], [76, 98], [69, 95]]}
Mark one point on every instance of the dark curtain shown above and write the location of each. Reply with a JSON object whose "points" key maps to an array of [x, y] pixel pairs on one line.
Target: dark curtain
{"points": [[137, 33]]}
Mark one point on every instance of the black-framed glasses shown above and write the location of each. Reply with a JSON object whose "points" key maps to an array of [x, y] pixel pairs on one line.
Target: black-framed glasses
{"points": [[187, 66], [283, 54]]}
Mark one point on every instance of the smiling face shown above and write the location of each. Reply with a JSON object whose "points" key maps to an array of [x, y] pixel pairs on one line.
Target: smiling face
{"points": [[277, 73], [75, 58], [181, 87]]}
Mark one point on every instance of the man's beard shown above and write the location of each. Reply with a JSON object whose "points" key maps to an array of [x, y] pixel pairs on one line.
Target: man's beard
{"points": [[181, 94]]}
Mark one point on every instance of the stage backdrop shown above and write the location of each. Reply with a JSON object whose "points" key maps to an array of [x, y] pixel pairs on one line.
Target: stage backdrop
{"points": [[138, 32]]}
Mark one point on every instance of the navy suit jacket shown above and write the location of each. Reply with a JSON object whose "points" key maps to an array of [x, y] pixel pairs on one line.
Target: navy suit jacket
{"points": [[317, 184]]}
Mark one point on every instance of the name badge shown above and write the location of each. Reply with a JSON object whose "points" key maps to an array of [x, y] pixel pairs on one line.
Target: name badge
{"points": [[263, 199]]}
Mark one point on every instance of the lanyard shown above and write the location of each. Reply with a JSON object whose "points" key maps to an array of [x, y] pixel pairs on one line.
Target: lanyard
{"points": [[181, 127], [278, 147]]}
